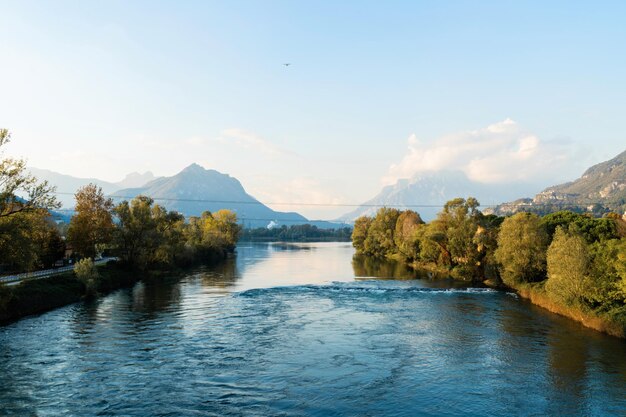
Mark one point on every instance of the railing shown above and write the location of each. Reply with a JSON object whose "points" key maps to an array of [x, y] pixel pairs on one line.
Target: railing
{"points": [[45, 273]]}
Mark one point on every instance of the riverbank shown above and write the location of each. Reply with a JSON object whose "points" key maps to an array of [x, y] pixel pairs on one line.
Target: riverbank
{"points": [[536, 295], [39, 296], [42, 295]]}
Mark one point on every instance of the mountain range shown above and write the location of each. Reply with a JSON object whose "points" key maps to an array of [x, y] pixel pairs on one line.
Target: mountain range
{"points": [[601, 188], [190, 192], [67, 185], [195, 190], [427, 192]]}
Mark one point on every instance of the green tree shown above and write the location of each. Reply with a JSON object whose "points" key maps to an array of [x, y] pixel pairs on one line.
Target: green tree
{"points": [[359, 233], [568, 267], [449, 240], [136, 237], [589, 228], [170, 232], [92, 224], [404, 236], [87, 273], [607, 273], [522, 245], [28, 241], [380, 236]]}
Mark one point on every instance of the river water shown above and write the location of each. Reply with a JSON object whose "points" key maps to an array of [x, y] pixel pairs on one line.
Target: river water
{"points": [[289, 330]]}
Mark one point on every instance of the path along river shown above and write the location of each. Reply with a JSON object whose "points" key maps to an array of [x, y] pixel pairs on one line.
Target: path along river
{"points": [[305, 330]]}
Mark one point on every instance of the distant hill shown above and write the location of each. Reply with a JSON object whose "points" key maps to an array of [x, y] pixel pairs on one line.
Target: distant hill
{"points": [[195, 190], [427, 192], [67, 185], [602, 188], [135, 179]]}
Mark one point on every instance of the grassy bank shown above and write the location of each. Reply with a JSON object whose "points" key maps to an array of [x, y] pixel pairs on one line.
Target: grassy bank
{"points": [[605, 322]]}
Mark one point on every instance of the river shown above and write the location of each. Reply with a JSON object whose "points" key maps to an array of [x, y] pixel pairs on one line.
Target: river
{"points": [[305, 330]]}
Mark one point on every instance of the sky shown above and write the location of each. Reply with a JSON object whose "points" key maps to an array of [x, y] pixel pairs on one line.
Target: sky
{"points": [[505, 91]]}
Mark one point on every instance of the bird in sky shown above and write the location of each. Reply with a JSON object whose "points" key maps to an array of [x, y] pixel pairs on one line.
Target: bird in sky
{"points": [[287, 64]]}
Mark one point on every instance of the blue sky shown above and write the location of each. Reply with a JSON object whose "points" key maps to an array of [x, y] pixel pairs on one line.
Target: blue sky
{"points": [[102, 89]]}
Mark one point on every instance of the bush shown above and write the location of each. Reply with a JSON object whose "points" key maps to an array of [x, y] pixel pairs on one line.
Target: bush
{"points": [[87, 273]]}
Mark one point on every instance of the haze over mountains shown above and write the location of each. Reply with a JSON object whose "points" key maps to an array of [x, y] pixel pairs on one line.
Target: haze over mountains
{"points": [[427, 192], [602, 188]]}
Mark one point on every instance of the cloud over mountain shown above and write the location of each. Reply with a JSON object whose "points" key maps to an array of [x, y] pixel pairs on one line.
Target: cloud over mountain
{"points": [[499, 153]]}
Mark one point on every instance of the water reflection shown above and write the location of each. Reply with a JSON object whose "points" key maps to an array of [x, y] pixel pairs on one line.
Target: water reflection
{"points": [[367, 267]]}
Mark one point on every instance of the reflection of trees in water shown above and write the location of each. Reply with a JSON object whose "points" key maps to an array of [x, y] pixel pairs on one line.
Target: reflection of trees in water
{"points": [[562, 356], [366, 266], [567, 359], [287, 246], [223, 275], [574, 355], [156, 295]]}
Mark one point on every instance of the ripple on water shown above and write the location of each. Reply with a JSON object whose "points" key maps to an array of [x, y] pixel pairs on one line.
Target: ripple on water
{"points": [[342, 348]]}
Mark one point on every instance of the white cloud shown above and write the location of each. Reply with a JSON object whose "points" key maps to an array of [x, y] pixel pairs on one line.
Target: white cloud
{"points": [[499, 153]]}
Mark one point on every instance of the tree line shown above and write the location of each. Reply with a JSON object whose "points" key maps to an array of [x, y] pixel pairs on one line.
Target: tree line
{"points": [[139, 232], [574, 258], [296, 233]]}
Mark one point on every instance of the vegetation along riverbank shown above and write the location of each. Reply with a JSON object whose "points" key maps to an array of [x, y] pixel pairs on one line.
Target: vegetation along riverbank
{"points": [[145, 238], [569, 263]]}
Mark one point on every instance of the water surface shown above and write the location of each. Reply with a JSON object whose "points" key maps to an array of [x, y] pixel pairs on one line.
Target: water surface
{"points": [[289, 330]]}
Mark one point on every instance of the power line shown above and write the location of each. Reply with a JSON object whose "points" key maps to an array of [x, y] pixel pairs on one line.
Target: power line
{"points": [[189, 200]]}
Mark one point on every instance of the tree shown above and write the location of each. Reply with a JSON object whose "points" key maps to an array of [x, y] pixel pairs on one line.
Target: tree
{"points": [[214, 232], [521, 253], [93, 223], [589, 228], [404, 236], [19, 190], [607, 273], [359, 233], [449, 240], [29, 240], [24, 205], [380, 236], [136, 235], [568, 266], [86, 272], [170, 229], [224, 228]]}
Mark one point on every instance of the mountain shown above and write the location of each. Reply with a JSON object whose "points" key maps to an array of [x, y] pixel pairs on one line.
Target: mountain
{"points": [[135, 179], [602, 188], [67, 185], [195, 190], [427, 192]]}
